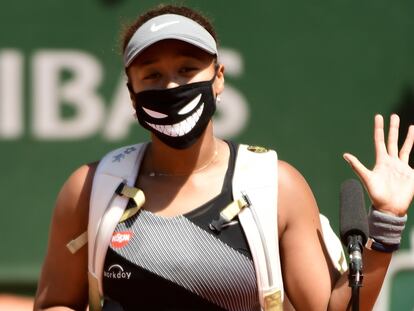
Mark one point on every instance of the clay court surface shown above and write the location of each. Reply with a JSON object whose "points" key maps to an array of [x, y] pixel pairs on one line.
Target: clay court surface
{"points": [[15, 303]]}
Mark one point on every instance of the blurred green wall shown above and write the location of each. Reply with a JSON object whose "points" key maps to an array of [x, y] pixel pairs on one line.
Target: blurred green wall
{"points": [[303, 77]]}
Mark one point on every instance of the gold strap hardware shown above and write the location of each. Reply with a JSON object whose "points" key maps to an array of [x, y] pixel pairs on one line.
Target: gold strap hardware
{"points": [[233, 209], [136, 195], [273, 301], [229, 212]]}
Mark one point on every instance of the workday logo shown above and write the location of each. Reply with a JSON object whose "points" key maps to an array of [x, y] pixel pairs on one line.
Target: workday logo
{"points": [[116, 272]]}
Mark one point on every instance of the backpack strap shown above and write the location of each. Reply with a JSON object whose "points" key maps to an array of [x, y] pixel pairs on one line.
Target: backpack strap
{"points": [[255, 181], [255, 177], [333, 245], [106, 209]]}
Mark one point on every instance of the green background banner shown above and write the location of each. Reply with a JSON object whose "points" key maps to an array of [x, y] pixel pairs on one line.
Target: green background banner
{"points": [[302, 77]]}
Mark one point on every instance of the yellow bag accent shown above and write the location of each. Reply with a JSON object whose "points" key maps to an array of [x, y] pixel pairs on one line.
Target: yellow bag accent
{"points": [[76, 244], [257, 149], [233, 209], [94, 296], [137, 195], [273, 301], [341, 264]]}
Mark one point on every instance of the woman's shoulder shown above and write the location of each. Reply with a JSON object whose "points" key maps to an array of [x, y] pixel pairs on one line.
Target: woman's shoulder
{"points": [[295, 197], [79, 182], [65, 285], [72, 204], [291, 183], [289, 177]]}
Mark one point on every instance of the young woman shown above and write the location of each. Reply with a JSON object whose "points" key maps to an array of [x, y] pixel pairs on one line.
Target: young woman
{"points": [[173, 259]]}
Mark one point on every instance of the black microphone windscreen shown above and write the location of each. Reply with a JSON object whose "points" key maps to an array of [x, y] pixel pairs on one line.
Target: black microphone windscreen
{"points": [[353, 215]]}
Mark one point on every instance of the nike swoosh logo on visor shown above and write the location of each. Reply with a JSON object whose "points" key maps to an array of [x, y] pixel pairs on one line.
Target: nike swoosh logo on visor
{"points": [[155, 27]]}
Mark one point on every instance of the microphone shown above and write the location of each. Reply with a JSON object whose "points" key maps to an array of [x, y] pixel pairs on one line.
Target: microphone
{"points": [[353, 227]]}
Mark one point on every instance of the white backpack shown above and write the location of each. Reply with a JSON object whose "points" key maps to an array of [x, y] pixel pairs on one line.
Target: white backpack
{"points": [[255, 202]]}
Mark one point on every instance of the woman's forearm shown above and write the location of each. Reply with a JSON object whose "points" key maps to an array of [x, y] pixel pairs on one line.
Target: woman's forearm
{"points": [[375, 265]]}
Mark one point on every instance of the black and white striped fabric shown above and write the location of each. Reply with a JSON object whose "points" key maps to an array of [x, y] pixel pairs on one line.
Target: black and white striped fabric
{"points": [[178, 250], [178, 263]]}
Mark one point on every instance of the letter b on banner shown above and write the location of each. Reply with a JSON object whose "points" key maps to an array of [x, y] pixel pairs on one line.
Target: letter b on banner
{"points": [[78, 91]]}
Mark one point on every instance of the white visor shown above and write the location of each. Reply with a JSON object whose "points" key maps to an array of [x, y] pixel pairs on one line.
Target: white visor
{"points": [[168, 26]]}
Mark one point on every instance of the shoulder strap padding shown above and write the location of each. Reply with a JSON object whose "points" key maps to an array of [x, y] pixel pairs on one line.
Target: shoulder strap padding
{"points": [[256, 175], [333, 245], [117, 166]]}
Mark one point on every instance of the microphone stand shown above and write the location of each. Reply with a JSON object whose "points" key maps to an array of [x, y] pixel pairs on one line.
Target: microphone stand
{"points": [[355, 275]]}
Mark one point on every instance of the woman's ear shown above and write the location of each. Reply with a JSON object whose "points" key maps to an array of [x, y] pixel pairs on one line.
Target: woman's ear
{"points": [[218, 84]]}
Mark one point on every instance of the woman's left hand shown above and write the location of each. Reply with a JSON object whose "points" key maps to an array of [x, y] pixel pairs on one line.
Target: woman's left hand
{"points": [[390, 184]]}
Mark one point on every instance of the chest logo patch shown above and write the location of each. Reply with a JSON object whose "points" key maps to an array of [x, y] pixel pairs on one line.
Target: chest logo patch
{"points": [[120, 239]]}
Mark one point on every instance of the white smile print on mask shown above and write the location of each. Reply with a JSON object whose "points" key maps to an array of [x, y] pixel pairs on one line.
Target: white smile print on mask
{"points": [[181, 128], [176, 116]]}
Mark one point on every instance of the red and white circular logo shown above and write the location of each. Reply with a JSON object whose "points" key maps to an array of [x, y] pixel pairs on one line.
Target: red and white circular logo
{"points": [[120, 239]]}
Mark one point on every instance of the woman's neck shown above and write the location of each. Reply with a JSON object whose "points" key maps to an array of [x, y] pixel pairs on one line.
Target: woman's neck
{"points": [[163, 160]]}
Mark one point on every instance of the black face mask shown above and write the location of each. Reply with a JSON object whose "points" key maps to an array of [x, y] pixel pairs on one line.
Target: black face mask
{"points": [[177, 116]]}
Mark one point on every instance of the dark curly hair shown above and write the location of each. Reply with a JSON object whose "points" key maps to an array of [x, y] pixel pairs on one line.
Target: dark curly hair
{"points": [[166, 9]]}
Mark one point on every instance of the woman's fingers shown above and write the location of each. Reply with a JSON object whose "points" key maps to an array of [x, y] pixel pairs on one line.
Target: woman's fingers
{"points": [[408, 145], [357, 166], [379, 141], [392, 145]]}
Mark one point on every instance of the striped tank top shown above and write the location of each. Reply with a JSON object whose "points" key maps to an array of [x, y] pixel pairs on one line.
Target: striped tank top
{"points": [[178, 263]]}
